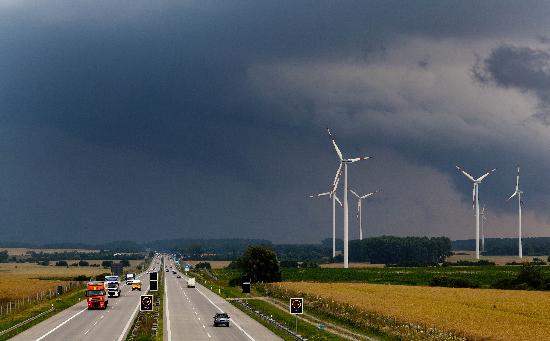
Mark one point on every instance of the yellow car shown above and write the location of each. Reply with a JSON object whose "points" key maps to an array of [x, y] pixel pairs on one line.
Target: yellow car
{"points": [[136, 285]]}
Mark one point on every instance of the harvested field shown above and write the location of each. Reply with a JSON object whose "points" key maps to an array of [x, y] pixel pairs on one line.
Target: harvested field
{"points": [[475, 313], [215, 264], [498, 260], [19, 280]]}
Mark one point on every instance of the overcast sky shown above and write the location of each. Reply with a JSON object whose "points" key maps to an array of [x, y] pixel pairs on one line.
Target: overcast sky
{"points": [[206, 119]]}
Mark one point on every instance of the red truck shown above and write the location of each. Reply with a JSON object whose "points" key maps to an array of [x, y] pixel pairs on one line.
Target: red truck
{"points": [[96, 295]]}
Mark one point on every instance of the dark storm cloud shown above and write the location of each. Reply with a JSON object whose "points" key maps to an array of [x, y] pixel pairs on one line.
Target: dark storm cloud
{"points": [[524, 68], [132, 116]]}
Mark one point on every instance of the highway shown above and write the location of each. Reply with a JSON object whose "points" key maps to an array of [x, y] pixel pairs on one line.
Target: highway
{"points": [[78, 323], [188, 315]]}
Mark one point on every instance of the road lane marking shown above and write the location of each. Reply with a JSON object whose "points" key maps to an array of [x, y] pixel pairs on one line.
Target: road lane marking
{"points": [[221, 311], [132, 317], [167, 311], [210, 336], [61, 324]]}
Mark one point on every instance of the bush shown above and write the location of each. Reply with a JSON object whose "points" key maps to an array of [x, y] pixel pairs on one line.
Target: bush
{"points": [[107, 263], [81, 278], [125, 263], [203, 265], [288, 264], [310, 265], [235, 281], [61, 263], [83, 263], [482, 262], [44, 263], [530, 277], [538, 261], [444, 281], [233, 265]]}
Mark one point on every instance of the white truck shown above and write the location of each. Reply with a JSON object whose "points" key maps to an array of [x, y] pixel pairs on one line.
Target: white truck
{"points": [[130, 278], [112, 284], [191, 282]]}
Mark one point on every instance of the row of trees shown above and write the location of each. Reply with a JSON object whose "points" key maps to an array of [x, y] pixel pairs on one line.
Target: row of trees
{"points": [[400, 250], [507, 246]]}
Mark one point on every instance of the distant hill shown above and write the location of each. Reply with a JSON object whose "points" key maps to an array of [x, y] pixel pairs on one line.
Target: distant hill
{"points": [[535, 246]]}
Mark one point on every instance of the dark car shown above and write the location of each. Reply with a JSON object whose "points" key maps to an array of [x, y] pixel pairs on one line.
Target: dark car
{"points": [[178, 276], [221, 319]]}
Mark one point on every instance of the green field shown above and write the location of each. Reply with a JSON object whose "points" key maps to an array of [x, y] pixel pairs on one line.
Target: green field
{"points": [[485, 275]]}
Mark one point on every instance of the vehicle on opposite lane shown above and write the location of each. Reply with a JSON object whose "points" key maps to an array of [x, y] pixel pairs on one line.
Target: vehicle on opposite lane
{"points": [[221, 319]]}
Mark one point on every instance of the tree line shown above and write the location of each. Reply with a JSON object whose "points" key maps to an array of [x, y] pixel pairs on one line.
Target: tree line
{"points": [[535, 246], [400, 250]]}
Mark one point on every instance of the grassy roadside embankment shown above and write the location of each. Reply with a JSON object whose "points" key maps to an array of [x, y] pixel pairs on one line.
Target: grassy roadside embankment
{"points": [[60, 303], [218, 281]]}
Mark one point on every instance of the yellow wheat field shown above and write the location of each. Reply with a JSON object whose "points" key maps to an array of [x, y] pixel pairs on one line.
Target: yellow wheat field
{"points": [[21, 280], [477, 313]]}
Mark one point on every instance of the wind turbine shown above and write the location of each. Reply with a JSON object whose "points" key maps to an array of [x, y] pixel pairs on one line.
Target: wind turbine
{"points": [[475, 200], [359, 215], [332, 195], [483, 218], [518, 192], [345, 162]]}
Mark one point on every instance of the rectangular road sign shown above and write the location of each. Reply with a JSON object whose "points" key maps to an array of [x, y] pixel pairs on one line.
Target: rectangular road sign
{"points": [[153, 285], [153, 276]]}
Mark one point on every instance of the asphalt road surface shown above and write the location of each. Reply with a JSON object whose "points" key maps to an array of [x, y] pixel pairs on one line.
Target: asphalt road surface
{"points": [[188, 314], [78, 323]]}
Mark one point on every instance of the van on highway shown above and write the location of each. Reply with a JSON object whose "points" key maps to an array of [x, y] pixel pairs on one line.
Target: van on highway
{"points": [[191, 282], [136, 285]]}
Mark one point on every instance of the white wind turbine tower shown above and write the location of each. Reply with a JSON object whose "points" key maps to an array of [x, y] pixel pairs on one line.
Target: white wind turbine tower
{"points": [[359, 215], [518, 192], [332, 195], [345, 162], [483, 219], [475, 199]]}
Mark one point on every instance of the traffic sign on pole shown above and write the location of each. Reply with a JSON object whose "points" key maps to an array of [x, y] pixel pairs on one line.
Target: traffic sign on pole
{"points": [[297, 306], [146, 303]]}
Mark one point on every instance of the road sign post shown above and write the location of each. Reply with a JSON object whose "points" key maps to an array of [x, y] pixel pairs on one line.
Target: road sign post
{"points": [[146, 303], [296, 308]]}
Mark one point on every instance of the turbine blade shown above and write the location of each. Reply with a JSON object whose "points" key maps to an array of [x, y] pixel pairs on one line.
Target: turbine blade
{"points": [[320, 195], [335, 197], [370, 194], [358, 159], [485, 175], [517, 180], [336, 178], [335, 145], [511, 196], [466, 174], [357, 195]]}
